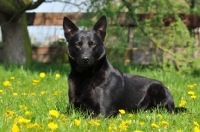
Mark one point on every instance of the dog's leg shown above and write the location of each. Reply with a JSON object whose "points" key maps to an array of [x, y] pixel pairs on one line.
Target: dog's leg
{"points": [[157, 96]]}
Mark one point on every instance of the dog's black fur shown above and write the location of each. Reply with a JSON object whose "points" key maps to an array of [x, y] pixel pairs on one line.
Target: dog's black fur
{"points": [[95, 85]]}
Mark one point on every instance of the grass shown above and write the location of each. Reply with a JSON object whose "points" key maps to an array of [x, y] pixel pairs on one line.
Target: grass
{"points": [[35, 99]]}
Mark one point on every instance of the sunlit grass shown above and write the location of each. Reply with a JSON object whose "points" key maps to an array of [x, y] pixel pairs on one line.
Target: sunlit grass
{"points": [[35, 99]]}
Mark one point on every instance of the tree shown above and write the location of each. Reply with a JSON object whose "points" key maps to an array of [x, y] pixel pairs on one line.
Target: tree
{"points": [[165, 39], [16, 42]]}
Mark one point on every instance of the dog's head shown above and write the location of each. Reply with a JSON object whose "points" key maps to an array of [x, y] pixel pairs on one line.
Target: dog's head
{"points": [[85, 47]]}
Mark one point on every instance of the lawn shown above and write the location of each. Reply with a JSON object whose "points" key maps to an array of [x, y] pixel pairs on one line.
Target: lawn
{"points": [[35, 98]]}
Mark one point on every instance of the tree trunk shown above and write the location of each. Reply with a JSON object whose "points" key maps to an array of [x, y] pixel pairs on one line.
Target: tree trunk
{"points": [[16, 41]]}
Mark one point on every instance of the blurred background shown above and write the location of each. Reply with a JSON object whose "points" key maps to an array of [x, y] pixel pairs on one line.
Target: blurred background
{"points": [[154, 32]]}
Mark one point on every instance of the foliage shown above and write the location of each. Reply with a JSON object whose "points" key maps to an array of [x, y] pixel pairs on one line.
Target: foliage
{"points": [[175, 42], [35, 98]]}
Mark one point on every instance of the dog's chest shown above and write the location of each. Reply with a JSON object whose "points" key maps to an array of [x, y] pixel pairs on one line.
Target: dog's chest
{"points": [[84, 92]]}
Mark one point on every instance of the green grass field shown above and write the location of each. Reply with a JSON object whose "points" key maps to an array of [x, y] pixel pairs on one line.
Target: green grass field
{"points": [[35, 99]]}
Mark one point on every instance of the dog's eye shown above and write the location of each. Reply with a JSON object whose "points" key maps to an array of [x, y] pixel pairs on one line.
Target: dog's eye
{"points": [[77, 45], [92, 45]]}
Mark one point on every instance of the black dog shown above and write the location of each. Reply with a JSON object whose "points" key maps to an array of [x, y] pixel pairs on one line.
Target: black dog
{"points": [[95, 85]]}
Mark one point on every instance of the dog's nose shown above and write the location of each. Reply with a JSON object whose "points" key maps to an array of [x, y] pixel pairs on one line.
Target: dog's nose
{"points": [[85, 59]]}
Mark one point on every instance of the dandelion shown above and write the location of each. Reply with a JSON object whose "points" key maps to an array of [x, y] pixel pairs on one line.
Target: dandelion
{"points": [[110, 128], [15, 128], [42, 74], [12, 78], [121, 111], [191, 85], [33, 94], [23, 107], [43, 92], [196, 129], [9, 114], [32, 125], [63, 118], [179, 131], [15, 94], [54, 113], [6, 83], [52, 126], [141, 123], [77, 122], [57, 75], [164, 123], [1, 91], [95, 122], [130, 115], [154, 125], [28, 113], [182, 103], [25, 94], [160, 116], [123, 126], [35, 82], [196, 123], [191, 93], [55, 93], [21, 120], [137, 131], [193, 97]]}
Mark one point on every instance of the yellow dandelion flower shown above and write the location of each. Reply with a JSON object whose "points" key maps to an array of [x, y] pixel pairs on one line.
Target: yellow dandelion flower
{"points": [[141, 123], [137, 131], [28, 113], [63, 118], [6, 83], [193, 97], [164, 123], [121, 111], [179, 131], [160, 116], [42, 74], [57, 75], [196, 129], [123, 126], [15, 94], [25, 94], [33, 94], [191, 93], [12, 78], [15, 128], [182, 103], [196, 123], [55, 93], [21, 120], [95, 122], [1, 91], [52, 126], [77, 122], [23, 107], [43, 92], [190, 85], [9, 114], [130, 115], [110, 128], [154, 125], [54, 113], [32, 125]]}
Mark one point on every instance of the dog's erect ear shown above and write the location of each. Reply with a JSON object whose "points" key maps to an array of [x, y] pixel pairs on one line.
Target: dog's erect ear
{"points": [[69, 28], [100, 27]]}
